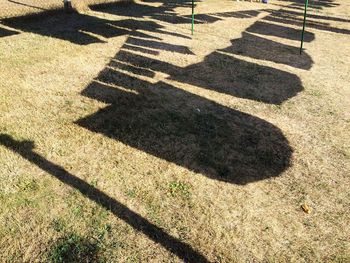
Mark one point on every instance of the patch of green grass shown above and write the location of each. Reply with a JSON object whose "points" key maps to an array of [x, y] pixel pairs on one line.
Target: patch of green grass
{"points": [[103, 231], [94, 182], [133, 258], [180, 189], [153, 212], [99, 217], [315, 93], [183, 232], [28, 185], [77, 210], [26, 202], [131, 193], [59, 225], [342, 257], [15, 257], [75, 248], [308, 254]]}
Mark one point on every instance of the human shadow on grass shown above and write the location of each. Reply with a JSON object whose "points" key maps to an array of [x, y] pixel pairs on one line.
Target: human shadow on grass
{"points": [[155, 233], [183, 128]]}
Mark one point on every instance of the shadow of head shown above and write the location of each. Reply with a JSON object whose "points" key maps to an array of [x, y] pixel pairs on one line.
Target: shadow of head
{"points": [[186, 129]]}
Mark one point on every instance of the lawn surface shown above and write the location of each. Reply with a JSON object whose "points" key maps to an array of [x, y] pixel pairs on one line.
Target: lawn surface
{"points": [[125, 139]]}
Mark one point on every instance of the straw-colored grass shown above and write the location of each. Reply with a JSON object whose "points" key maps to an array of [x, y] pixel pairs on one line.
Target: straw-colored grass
{"points": [[126, 139]]}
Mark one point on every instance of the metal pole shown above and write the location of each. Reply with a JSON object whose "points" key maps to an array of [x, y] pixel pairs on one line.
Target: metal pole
{"points": [[192, 17], [304, 25]]}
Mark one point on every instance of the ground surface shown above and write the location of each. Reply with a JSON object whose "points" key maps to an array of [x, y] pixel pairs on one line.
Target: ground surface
{"points": [[11, 8], [124, 139]]}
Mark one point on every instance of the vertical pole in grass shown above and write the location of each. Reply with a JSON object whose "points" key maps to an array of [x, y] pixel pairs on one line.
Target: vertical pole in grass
{"points": [[192, 17], [304, 25]]}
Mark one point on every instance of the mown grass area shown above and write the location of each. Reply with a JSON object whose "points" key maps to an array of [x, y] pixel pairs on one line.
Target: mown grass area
{"points": [[125, 139]]}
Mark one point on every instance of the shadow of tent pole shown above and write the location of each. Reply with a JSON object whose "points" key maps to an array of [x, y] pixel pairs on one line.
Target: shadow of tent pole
{"points": [[68, 6], [158, 235]]}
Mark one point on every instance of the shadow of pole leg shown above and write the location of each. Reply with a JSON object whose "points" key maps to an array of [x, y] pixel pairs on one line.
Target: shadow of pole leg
{"points": [[68, 6], [182, 250]]}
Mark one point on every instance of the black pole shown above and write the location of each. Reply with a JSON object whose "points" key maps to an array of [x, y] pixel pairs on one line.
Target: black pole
{"points": [[304, 25], [192, 17]]}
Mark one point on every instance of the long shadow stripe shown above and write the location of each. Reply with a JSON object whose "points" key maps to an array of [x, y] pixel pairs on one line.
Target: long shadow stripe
{"points": [[158, 235]]}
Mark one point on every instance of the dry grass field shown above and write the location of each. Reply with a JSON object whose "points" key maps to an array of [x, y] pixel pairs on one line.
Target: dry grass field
{"points": [[11, 8], [125, 139]]}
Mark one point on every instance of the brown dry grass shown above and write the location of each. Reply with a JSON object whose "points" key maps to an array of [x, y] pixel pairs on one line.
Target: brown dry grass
{"points": [[202, 147], [13, 8]]}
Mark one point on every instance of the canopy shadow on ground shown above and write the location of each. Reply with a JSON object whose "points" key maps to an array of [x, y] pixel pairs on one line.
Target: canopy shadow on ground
{"points": [[257, 47], [286, 18], [222, 72], [265, 28], [320, 4], [158, 235], [227, 74], [166, 13], [84, 29], [163, 13], [183, 128], [313, 16]]}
